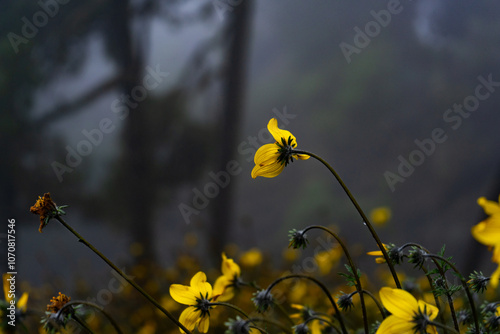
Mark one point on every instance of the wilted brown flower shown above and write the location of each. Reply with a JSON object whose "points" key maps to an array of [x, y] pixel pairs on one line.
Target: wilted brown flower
{"points": [[44, 207]]}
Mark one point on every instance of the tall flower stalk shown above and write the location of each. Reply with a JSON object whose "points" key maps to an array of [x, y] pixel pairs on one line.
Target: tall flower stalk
{"points": [[47, 209]]}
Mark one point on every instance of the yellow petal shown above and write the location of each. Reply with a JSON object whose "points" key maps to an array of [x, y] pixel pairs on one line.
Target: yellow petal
{"points": [[431, 310], [278, 133], [204, 324], [200, 286], [487, 232], [183, 294], [494, 278], [489, 207], [222, 289], [269, 171], [399, 302], [189, 317], [375, 253], [395, 325], [229, 267], [266, 154], [301, 156]]}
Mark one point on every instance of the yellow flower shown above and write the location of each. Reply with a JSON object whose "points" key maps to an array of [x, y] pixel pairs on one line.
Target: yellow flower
{"points": [[381, 258], [44, 207], [380, 216], [226, 284], [270, 159], [487, 232], [22, 303], [57, 303], [197, 296], [408, 315], [327, 259]]}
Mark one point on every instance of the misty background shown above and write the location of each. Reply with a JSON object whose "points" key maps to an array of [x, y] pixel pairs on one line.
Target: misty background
{"points": [[180, 89]]}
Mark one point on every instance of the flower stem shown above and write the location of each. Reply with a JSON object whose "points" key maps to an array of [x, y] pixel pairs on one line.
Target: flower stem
{"points": [[464, 284], [353, 267], [338, 315], [97, 307], [234, 307], [122, 274], [360, 211]]}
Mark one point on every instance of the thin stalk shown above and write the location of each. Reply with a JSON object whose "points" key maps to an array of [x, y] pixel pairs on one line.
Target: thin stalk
{"points": [[271, 322], [381, 309], [323, 320], [97, 307], [82, 323], [338, 315], [444, 327], [353, 267], [464, 284], [122, 274], [234, 307], [360, 211], [442, 273]]}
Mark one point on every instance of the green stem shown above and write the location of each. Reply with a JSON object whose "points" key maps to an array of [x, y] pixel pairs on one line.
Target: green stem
{"points": [[465, 286], [338, 315], [236, 308], [323, 320], [442, 273], [83, 324], [353, 267], [381, 309], [360, 211], [97, 307], [271, 322], [122, 274]]}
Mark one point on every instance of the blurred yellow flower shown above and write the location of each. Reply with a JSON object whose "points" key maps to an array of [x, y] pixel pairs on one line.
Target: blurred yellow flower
{"points": [[226, 284], [380, 216], [487, 232], [197, 296], [270, 159], [326, 260], [408, 315], [251, 258], [22, 303]]}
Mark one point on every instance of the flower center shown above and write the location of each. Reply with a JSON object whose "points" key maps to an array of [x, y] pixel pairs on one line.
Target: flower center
{"points": [[285, 150], [204, 305]]}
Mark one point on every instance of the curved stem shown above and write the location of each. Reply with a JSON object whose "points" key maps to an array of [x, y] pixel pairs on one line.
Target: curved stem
{"points": [[122, 274], [376, 303], [465, 286], [353, 267], [360, 211], [338, 315], [322, 319], [82, 323], [271, 322], [236, 308], [97, 307]]}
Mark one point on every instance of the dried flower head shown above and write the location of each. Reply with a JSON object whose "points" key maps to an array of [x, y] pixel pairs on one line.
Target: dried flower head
{"points": [[57, 303], [45, 208]]}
